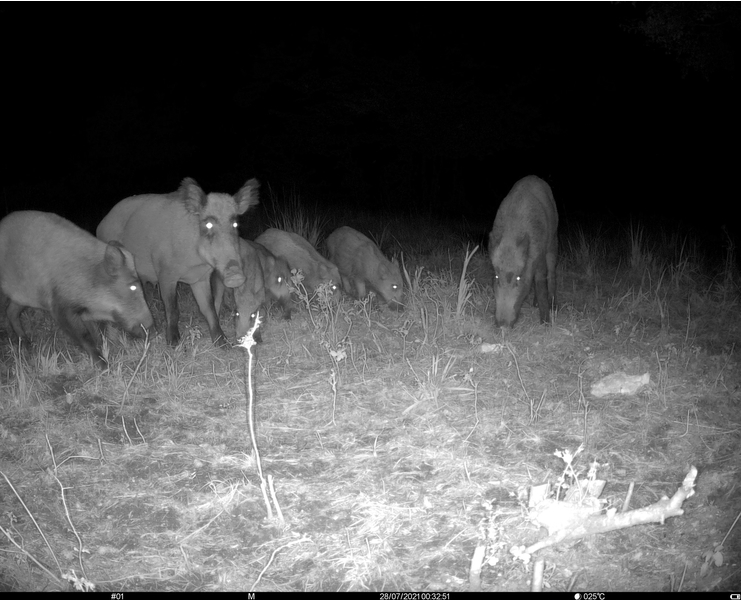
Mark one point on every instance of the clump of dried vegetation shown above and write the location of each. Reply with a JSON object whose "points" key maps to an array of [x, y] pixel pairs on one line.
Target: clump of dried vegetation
{"points": [[400, 453]]}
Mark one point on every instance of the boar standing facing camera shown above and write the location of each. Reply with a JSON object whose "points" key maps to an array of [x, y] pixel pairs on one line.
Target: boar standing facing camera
{"points": [[364, 268], [183, 236], [300, 254], [50, 263], [523, 247]]}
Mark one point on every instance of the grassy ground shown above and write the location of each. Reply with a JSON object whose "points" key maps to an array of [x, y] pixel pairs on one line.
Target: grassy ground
{"points": [[396, 445]]}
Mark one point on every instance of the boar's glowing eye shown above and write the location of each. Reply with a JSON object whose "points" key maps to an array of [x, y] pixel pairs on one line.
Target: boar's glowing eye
{"points": [[209, 226], [394, 286], [518, 279], [234, 224], [280, 279], [133, 288]]}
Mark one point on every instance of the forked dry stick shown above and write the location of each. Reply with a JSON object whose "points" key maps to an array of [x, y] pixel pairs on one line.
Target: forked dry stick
{"points": [[247, 342]]}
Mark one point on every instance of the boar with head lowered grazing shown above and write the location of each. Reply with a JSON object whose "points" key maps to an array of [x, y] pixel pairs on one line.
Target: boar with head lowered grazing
{"points": [[183, 236], [276, 276], [523, 248], [266, 278], [364, 268], [300, 254], [249, 298], [50, 263]]}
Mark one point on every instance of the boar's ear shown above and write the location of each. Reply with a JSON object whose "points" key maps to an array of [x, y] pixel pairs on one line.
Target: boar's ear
{"points": [[494, 239], [248, 195], [192, 195], [114, 259]]}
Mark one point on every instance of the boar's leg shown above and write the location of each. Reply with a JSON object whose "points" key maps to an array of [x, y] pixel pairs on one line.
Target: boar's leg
{"points": [[360, 288], [550, 259], [14, 311], [82, 333], [541, 296], [347, 284], [168, 292], [202, 292]]}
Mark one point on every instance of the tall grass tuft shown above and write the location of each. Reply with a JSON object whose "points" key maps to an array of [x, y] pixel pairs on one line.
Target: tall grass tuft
{"points": [[22, 389], [289, 213], [586, 252], [640, 255], [464, 286]]}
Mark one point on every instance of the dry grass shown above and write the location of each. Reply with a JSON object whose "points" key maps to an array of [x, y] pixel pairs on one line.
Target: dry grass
{"points": [[396, 446], [289, 212]]}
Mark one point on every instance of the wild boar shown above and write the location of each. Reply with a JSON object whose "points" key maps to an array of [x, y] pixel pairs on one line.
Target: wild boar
{"points": [[276, 276], [523, 248], [49, 263], [249, 297], [183, 236], [300, 254], [363, 267]]}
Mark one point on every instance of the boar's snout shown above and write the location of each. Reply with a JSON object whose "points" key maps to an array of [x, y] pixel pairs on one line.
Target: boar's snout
{"points": [[396, 305], [506, 319], [141, 327], [232, 275]]}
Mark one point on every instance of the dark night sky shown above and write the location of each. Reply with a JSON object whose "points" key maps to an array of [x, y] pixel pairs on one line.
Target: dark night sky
{"points": [[438, 107]]}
